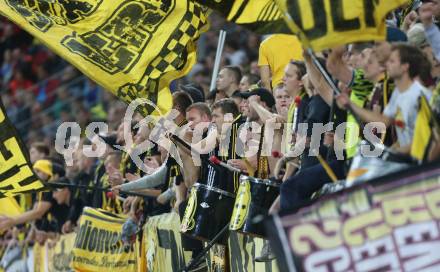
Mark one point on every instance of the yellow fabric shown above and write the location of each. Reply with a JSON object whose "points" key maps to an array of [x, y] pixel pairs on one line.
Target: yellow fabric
{"points": [[44, 166], [10, 207], [163, 243], [326, 24], [25, 201], [164, 252], [59, 257], [132, 48], [98, 246], [422, 131], [276, 52], [361, 89], [254, 11], [98, 112], [40, 264], [242, 252], [16, 175]]}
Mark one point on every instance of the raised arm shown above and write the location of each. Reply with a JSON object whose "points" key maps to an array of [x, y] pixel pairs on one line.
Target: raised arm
{"points": [[366, 116], [318, 80], [337, 67]]}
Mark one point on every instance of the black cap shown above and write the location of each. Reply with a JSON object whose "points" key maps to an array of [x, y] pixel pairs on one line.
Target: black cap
{"points": [[265, 96], [60, 181], [58, 169], [195, 91], [396, 35]]}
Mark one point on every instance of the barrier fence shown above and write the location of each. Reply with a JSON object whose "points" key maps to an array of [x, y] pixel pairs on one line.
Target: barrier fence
{"points": [[94, 247]]}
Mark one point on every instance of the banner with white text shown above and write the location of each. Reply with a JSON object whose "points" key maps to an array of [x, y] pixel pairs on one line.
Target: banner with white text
{"points": [[389, 224]]}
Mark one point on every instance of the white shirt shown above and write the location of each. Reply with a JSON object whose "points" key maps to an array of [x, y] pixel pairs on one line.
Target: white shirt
{"points": [[404, 106]]}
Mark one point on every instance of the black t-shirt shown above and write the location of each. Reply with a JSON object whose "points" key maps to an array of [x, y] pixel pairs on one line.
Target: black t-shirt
{"points": [[301, 111], [217, 176], [55, 218], [97, 195], [86, 195], [339, 117], [317, 111]]}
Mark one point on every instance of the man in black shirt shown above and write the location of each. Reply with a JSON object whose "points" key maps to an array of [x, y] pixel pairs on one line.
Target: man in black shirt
{"points": [[71, 200], [226, 120]]}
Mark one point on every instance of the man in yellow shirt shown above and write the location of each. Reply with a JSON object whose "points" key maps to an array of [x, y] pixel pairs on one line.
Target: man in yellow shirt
{"points": [[274, 54]]}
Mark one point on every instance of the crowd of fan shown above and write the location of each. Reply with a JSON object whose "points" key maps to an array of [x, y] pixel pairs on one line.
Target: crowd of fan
{"points": [[380, 82]]}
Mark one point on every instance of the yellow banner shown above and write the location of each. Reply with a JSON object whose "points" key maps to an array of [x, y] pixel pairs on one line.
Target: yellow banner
{"points": [[60, 256], [323, 23], [39, 255], [133, 48], [16, 175], [242, 251], [329, 23], [246, 11], [163, 243], [98, 245], [262, 16]]}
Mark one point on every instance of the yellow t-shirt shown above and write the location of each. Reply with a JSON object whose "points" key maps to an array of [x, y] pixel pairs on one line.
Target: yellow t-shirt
{"points": [[276, 51]]}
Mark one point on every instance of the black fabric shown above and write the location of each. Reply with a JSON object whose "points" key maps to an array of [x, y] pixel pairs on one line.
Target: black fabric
{"points": [[218, 176], [188, 243], [128, 165], [317, 111], [84, 179], [55, 218], [97, 182], [296, 191], [339, 117]]}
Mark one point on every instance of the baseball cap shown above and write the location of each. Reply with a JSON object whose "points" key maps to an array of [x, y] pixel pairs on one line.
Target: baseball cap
{"points": [[396, 35], [264, 94], [58, 169], [60, 182], [195, 91]]}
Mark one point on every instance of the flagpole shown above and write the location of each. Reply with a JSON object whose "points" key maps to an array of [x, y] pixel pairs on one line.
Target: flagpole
{"points": [[218, 56], [55, 185], [336, 92]]}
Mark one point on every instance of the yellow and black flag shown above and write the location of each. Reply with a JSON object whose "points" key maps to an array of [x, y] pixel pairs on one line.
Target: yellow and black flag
{"points": [[426, 131], [16, 174], [320, 24], [133, 48], [323, 24], [261, 16]]}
